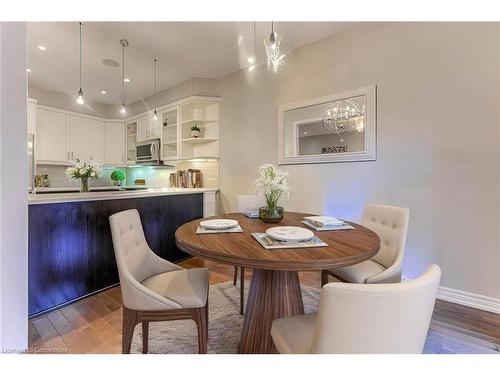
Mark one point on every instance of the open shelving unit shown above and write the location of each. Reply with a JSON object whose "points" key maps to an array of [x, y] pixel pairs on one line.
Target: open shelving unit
{"points": [[205, 114], [177, 140]]}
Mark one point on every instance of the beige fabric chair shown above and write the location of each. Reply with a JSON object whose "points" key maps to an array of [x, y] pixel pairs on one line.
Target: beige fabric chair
{"points": [[360, 318], [391, 225], [246, 202], [154, 289]]}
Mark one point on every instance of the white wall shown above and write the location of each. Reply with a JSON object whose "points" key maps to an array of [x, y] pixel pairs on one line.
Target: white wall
{"points": [[13, 198], [438, 138]]}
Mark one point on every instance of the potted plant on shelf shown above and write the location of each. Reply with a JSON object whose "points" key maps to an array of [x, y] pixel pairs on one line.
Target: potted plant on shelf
{"points": [[83, 171], [195, 131], [273, 183], [117, 176]]}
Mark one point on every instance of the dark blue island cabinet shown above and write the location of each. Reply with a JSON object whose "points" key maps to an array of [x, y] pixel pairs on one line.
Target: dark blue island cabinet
{"points": [[71, 251]]}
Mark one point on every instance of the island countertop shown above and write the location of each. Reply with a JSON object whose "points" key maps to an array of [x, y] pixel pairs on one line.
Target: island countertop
{"points": [[106, 195]]}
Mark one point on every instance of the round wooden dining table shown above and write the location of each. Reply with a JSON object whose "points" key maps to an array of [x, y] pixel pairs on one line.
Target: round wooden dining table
{"points": [[275, 289]]}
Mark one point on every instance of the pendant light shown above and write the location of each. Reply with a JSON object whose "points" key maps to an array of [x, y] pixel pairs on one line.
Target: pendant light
{"points": [[155, 117], [124, 43], [252, 58], [274, 57], [79, 98]]}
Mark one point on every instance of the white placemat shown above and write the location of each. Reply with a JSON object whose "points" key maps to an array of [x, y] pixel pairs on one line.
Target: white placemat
{"points": [[236, 229]]}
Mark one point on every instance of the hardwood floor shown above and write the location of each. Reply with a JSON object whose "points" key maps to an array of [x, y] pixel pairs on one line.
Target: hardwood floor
{"points": [[93, 324]]}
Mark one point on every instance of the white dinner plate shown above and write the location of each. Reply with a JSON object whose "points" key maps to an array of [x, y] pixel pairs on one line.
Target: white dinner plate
{"points": [[290, 233], [219, 224]]}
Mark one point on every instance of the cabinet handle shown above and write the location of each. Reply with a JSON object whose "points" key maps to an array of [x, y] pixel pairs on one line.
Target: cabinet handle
{"points": [[69, 157]]}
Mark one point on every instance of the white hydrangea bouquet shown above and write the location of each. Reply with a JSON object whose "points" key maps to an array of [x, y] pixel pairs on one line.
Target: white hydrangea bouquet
{"points": [[83, 171], [273, 183]]}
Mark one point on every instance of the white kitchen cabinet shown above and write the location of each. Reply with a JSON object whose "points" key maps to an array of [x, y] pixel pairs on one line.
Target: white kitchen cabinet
{"points": [[114, 143], [148, 128], [52, 137], [31, 116], [86, 139], [143, 128], [209, 204]]}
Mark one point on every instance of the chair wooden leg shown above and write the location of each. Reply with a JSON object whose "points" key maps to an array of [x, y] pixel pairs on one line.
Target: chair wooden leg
{"points": [[235, 277], [145, 337], [242, 290], [324, 278], [201, 320], [130, 320]]}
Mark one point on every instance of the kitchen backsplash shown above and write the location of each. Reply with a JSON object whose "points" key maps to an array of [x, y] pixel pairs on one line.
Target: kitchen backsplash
{"points": [[154, 176]]}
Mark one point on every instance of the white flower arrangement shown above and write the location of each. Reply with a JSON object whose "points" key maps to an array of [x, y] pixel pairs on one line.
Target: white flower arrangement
{"points": [[273, 183], [84, 170]]}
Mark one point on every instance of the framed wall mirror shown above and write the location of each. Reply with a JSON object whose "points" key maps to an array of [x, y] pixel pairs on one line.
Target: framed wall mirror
{"points": [[335, 128]]}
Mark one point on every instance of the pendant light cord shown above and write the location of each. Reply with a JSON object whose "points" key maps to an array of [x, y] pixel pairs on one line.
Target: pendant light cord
{"points": [[123, 73], [254, 38], [80, 55], [155, 85]]}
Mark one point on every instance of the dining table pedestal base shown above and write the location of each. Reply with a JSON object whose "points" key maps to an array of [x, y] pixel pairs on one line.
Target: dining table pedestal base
{"points": [[272, 295]]}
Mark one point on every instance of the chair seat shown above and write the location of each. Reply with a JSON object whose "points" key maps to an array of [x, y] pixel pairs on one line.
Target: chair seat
{"points": [[358, 273], [187, 287], [294, 335]]}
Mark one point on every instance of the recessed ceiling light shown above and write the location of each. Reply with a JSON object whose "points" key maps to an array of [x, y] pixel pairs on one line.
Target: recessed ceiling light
{"points": [[305, 133], [42, 48], [126, 80], [103, 92], [28, 70]]}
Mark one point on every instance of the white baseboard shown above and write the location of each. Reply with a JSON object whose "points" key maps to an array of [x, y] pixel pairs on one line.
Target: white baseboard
{"points": [[477, 301]]}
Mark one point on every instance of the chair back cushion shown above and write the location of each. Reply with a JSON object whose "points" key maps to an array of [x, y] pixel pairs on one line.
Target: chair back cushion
{"points": [[391, 225], [250, 202], [376, 318], [132, 252]]}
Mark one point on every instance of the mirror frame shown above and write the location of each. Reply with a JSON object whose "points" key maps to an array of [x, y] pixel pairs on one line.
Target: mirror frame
{"points": [[370, 152]]}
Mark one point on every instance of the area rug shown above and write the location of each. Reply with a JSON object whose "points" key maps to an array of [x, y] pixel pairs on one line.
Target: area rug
{"points": [[225, 328]]}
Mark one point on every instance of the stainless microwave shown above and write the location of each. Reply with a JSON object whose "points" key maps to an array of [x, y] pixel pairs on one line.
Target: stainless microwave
{"points": [[148, 152]]}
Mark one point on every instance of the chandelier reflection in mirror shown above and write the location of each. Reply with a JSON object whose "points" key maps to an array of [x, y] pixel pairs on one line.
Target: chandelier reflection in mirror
{"points": [[343, 116]]}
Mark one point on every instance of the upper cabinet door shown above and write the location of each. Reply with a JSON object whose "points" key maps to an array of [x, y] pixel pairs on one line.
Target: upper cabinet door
{"points": [[114, 143], [86, 139], [143, 129], [31, 117], [52, 134]]}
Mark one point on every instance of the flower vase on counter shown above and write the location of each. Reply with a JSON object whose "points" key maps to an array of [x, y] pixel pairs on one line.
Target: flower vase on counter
{"points": [[273, 183], [84, 186], [83, 171]]}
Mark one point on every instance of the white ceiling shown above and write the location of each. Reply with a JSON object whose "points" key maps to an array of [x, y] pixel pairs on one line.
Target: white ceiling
{"points": [[186, 50]]}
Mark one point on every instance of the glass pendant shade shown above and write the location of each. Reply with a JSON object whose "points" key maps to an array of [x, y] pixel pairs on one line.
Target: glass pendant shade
{"points": [[79, 99], [274, 56], [123, 109]]}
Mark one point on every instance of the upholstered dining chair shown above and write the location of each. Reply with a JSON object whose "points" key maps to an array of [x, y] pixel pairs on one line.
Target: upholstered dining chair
{"points": [[154, 289], [360, 318], [246, 203], [391, 225]]}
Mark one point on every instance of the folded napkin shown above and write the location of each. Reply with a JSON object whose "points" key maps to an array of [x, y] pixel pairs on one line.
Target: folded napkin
{"points": [[236, 229], [252, 214], [328, 227], [321, 221]]}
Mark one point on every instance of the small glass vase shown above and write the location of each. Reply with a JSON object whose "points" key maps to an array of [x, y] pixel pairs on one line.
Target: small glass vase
{"points": [[271, 214], [84, 185]]}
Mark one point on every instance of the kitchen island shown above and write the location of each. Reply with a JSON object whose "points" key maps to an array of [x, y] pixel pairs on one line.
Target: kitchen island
{"points": [[70, 246]]}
